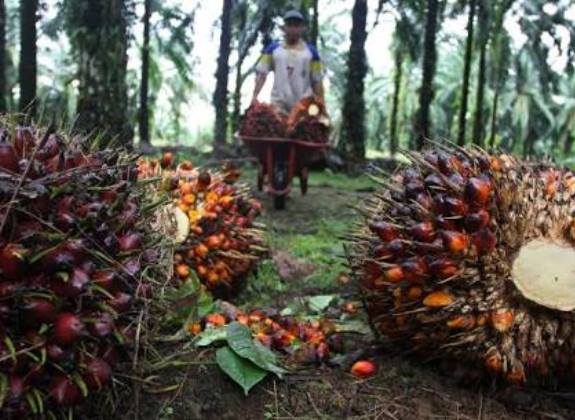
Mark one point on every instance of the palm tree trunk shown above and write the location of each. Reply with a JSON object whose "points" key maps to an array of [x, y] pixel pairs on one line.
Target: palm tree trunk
{"points": [[494, 119], [466, 72], [3, 103], [28, 48], [220, 98], [478, 131], [237, 98], [353, 127], [144, 115], [393, 143], [422, 124], [315, 24], [98, 30]]}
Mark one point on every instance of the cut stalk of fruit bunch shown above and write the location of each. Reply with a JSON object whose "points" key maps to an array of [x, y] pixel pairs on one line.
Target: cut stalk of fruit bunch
{"points": [[215, 234], [493, 238], [73, 231]]}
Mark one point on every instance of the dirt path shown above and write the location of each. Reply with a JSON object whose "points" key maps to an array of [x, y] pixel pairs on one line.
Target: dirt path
{"points": [[308, 261]]}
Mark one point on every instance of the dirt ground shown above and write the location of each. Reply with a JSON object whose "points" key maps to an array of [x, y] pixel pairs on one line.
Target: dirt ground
{"points": [[402, 389]]}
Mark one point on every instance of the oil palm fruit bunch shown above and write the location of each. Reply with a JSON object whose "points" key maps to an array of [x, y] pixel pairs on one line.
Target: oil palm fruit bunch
{"points": [[217, 236], [308, 121], [307, 341], [262, 120], [469, 256], [73, 244]]}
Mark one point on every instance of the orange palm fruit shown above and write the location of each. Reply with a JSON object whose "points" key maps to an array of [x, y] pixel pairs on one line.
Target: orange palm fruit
{"points": [[189, 199], [438, 300], [363, 369], [215, 319], [183, 271]]}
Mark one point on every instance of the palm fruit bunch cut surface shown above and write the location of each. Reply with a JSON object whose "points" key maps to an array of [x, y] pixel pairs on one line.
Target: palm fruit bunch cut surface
{"points": [[217, 236], [74, 241], [263, 120], [468, 256], [308, 121]]}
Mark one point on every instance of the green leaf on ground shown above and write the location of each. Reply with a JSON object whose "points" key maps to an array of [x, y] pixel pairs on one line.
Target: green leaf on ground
{"points": [[240, 340], [320, 303], [242, 371], [209, 336]]}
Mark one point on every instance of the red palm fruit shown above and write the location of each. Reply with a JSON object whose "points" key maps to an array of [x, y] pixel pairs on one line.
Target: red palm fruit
{"points": [[422, 232], [448, 163], [129, 242], [102, 326], [18, 387], [109, 196], [434, 247], [413, 189], [394, 274], [106, 279], [443, 267], [64, 391], [456, 242], [121, 302], [444, 223], [97, 374], [67, 329], [457, 180], [396, 247], [24, 141], [322, 352], [382, 251], [265, 339], [167, 160], [477, 220], [434, 181], [204, 180], [484, 241], [363, 369], [71, 285], [12, 261], [90, 210], [454, 206], [55, 352], [415, 268], [40, 310], [8, 156], [425, 201], [386, 231], [477, 191]]}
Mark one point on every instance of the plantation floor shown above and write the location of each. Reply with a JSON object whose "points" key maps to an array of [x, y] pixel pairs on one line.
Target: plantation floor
{"points": [[307, 261]]}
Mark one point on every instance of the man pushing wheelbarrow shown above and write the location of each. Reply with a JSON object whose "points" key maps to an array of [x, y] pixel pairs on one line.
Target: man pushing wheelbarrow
{"points": [[291, 133]]}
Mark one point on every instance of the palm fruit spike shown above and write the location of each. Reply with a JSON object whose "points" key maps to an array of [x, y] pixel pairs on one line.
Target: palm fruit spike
{"points": [[74, 240], [495, 283]]}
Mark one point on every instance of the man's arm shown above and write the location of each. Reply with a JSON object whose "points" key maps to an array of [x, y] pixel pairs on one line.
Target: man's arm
{"points": [[260, 82], [318, 90]]}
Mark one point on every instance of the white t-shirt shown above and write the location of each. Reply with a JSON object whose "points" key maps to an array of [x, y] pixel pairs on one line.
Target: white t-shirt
{"points": [[296, 70]]}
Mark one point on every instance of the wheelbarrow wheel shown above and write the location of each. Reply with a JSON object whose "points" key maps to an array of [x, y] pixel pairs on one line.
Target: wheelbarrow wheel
{"points": [[303, 176], [280, 202], [280, 184], [260, 178]]}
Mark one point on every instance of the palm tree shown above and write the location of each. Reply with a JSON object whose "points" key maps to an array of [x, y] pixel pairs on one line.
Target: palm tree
{"points": [[98, 31], [144, 115], [406, 47], [423, 124], [28, 49], [466, 72], [3, 103], [220, 98], [353, 129], [484, 21]]}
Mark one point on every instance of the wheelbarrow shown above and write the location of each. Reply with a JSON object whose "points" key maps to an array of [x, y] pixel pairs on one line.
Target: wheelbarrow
{"points": [[279, 160]]}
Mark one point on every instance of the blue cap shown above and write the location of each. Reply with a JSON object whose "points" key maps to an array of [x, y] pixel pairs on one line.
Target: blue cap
{"points": [[294, 15]]}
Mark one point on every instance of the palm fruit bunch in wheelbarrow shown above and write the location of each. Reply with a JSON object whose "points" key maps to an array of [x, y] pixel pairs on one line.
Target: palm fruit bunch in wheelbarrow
{"points": [[308, 121], [217, 236], [467, 256], [74, 241], [262, 120]]}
